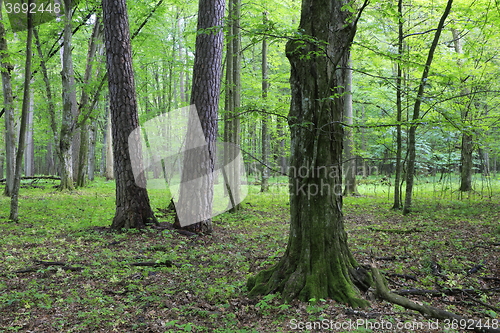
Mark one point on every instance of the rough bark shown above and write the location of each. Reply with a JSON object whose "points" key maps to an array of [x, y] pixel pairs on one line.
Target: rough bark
{"points": [[410, 173], [109, 172], [133, 209], [205, 96], [10, 132], [317, 262], [69, 102]]}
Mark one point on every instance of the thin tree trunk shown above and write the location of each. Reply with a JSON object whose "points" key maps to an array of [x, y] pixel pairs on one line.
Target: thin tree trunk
{"points": [[317, 262], [410, 174], [29, 156], [92, 144], [233, 92], [399, 111], [84, 107], [349, 160], [467, 149], [196, 197], [264, 187], [10, 132], [14, 215]]}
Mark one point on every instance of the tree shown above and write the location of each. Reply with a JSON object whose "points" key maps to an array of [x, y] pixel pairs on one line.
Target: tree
{"points": [[399, 111], [205, 97], [266, 137], [350, 159], [133, 209], [10, 137], [233, 96], [14, 202], [317, 262], [410, 173], [69, 102]]}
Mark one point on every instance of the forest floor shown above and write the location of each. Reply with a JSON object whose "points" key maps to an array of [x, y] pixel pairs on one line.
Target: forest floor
{"points": [[63, 270]]}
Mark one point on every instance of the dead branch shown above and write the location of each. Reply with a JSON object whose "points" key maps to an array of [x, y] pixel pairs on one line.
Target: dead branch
{"points": [[383, 292]]}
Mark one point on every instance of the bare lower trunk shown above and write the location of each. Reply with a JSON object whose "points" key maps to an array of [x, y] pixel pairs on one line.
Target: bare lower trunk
{"points": [[466, 163]]}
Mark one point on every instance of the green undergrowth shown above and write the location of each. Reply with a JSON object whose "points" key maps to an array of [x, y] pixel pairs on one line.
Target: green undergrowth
{"points": [[63, 270]]}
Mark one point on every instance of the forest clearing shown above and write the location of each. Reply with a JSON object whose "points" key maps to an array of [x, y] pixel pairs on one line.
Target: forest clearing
{"points": [[64, 270]]}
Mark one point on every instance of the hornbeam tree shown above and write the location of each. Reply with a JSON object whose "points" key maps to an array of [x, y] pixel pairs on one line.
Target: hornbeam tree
{"points": [[317, 262], [133, 209]]}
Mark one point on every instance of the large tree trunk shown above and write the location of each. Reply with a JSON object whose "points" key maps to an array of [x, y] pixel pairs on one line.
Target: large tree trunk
{"points": [[10, 132], [412, 135], [133, 209], [317, 262], [198, 196]]}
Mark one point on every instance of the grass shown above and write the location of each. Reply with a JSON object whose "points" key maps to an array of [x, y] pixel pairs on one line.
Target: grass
{"points": [[99, 290]]}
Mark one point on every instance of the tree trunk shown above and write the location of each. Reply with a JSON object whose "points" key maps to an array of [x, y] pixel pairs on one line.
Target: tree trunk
{"points": [[69, 103], [399, 111], [10, 132], [85, 108], [92, 143], [266, 138], [24, 119], [133, 209], [233, 98], [83, 156], [109, 173], [50, 101], [410, 174], [466, 163], [467, 149], [196, 198], [29, 156], [349, 160], [317, 262]]}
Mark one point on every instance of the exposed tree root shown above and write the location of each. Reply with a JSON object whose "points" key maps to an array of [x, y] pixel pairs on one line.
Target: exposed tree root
{"points": [[383, 292]]}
